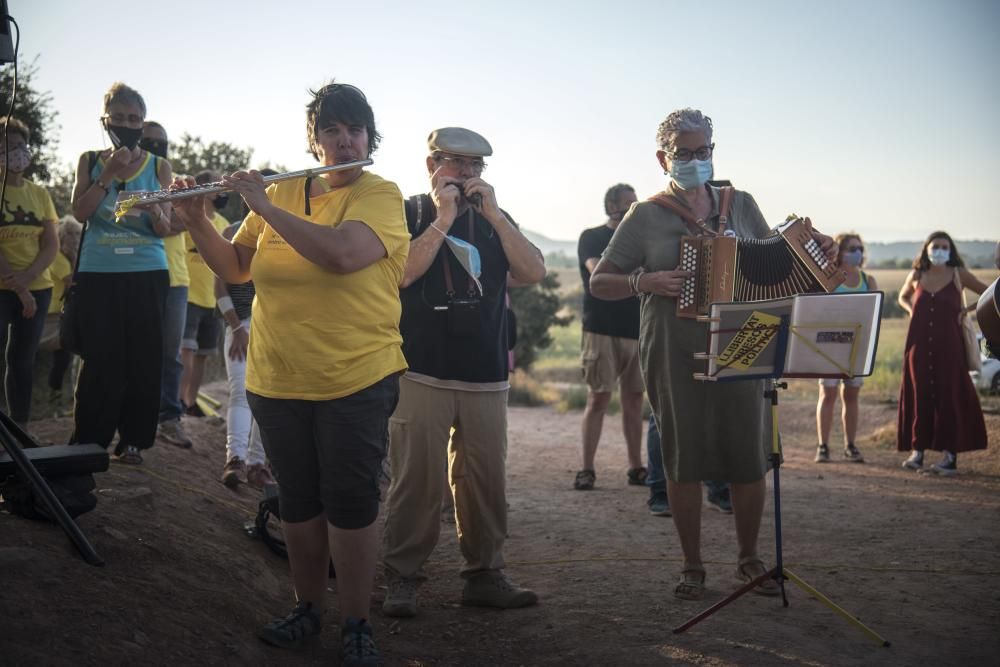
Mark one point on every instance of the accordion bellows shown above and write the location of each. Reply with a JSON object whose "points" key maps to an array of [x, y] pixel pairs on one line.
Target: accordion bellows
{"points": [[729, 269]]}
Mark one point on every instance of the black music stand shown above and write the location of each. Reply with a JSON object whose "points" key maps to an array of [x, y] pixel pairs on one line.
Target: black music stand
{"points": [[760, 346], [10, 436]]}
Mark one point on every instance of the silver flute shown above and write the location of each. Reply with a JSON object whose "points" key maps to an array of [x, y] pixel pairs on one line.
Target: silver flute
{"points": [[139, 198]]}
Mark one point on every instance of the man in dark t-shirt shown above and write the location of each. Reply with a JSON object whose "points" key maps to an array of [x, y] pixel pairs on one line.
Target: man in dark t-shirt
{"points": [[610, 349], [454, 328]]}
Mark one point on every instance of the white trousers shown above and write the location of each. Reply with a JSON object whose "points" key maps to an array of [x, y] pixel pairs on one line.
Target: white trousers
{"points": [[242, 435]]}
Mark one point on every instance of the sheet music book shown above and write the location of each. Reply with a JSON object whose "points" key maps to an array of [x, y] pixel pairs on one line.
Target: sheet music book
{"points": [[807, 335], [834, 335]]}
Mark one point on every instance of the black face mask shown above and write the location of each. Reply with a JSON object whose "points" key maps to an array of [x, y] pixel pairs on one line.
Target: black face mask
{"points": [[154, 146], [220, 202], [124, 136]]}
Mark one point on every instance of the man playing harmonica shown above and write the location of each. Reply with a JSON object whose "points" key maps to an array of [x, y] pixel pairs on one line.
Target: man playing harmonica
{"points": [[454, 328]]}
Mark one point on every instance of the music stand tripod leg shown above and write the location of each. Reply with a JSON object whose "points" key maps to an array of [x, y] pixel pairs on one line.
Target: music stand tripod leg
{"points": [[41, 487], [795, 579]]}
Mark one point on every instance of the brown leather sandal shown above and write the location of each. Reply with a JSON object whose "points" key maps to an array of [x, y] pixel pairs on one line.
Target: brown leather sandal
{"points": [[746, 574], [692, 583]]}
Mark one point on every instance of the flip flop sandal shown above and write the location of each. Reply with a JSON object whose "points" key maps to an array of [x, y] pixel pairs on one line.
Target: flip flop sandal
{"points": [[768, 587], [692, 583]]}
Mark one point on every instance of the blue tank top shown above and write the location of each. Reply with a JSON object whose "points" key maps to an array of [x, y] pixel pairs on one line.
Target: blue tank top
{"points": [[127, 246], [862, 285]]}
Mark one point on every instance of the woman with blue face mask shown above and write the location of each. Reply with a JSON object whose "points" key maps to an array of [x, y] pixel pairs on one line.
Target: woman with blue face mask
{"points": [[851, 256], [938, 405], [711, 430]]}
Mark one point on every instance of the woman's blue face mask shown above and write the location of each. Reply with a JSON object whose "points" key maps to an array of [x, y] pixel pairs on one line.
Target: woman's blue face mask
{"points": [[691, 174], [854, 257], [939, 256]]}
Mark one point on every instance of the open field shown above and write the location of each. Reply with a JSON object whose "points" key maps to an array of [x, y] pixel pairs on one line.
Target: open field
{"points": [[560, 363]]}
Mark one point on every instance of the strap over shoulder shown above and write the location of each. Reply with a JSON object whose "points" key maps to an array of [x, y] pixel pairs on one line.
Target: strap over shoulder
{"points": [[726, 193]]}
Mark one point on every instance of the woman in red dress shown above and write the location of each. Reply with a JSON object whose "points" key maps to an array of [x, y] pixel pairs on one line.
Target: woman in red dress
{"points": [[938, 405]]}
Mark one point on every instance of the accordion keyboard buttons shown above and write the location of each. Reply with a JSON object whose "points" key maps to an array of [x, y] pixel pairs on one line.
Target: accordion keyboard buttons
{"points": [[688, 263]]}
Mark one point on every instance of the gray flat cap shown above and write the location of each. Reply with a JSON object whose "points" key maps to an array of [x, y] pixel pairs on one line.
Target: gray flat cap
{"points": [[459, 141]]}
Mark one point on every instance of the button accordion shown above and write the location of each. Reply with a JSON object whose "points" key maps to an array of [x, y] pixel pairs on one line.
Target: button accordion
{"points": [[727, 268]]}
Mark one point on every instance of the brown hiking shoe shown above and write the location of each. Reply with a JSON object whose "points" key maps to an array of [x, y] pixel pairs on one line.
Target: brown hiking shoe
{"points": [[401, 598], [234, 472], [492, 588], [172, 431], [259, 476]]}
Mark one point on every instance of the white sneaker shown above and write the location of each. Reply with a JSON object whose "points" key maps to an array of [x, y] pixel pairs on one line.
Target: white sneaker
{"points": [[915, 462]]}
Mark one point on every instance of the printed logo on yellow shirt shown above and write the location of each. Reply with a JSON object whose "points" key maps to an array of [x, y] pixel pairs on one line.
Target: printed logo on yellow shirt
{"points": [[18, 217], [275, 242]]}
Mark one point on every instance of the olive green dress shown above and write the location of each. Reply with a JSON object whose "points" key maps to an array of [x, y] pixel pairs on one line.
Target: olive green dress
{"points": [[709, 430]]}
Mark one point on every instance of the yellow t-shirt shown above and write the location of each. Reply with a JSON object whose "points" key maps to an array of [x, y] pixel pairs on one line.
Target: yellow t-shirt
{"points": [[176, 249], [201, 288], [59, 269], [319, 335], [27, 208]]}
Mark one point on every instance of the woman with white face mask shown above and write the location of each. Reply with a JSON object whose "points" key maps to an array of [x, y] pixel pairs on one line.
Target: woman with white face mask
{"points": [[938, 405], [711, 430], [851, 257], [28, 244]]}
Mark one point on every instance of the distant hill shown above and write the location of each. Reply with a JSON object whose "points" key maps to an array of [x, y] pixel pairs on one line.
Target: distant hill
{"points": [[549, 246], [975, 253]]}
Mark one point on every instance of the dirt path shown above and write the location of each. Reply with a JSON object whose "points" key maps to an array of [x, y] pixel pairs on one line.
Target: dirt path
{"points": [[915, 557]]}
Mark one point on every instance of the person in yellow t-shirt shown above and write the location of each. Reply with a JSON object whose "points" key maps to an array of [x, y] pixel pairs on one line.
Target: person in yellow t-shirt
{"points": [[202, 329], [28, 244], [169, 429], [61, 272], [326, 255]]}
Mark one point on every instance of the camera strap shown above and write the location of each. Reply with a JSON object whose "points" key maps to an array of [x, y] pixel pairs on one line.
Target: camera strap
{"points": [[448, 282]]}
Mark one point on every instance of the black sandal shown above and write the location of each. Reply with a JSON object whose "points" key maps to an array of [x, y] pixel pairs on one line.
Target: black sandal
{"points": [[584, 480], [292, 630], [637, 476]]}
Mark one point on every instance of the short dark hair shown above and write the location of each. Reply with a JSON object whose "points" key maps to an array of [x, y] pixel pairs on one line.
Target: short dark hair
{"points": [[613, 193], [17, 126], [339, 103], [923, 262], [119, 93]]}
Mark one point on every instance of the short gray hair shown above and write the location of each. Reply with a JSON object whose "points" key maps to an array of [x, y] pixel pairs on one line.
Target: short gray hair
{"points": [[682, 120]]}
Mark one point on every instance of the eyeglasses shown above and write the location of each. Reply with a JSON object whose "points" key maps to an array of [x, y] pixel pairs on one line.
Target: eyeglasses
{"points": [[854, 248], [124, 119], [685, 155], [462, 164]]}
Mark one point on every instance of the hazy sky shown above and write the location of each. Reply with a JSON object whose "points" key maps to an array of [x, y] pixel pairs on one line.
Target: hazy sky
{"points": [[881, 116]]}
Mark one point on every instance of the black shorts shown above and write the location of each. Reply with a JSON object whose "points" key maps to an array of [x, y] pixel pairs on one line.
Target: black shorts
{"points": [[201, 330], [327, 455]]}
